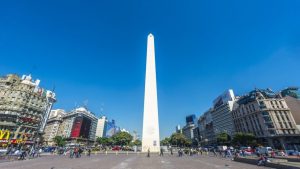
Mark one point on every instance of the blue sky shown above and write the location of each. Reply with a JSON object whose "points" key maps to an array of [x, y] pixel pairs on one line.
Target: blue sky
{"points": [[96, 51]]}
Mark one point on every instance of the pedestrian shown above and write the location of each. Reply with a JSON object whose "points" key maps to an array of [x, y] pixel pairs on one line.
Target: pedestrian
{"points": [[40, 152], [180, 152], [71, 153], [79, 152], [76, 152], [262, 160], [148, 154], [171, 151], [161, 152], [215, 153], [89, 152]]}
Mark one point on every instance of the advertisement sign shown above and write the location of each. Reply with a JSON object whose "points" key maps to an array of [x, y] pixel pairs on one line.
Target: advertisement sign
{"points": [[76, 127]]}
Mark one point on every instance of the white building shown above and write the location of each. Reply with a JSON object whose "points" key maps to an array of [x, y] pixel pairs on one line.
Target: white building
{"points": [[101, 127]]}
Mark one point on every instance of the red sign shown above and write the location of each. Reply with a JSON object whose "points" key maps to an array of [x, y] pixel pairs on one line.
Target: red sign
{"points": [[76, 127]]}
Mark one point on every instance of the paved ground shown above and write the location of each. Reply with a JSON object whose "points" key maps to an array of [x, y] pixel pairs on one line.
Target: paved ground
{"points": [[123, 161]]}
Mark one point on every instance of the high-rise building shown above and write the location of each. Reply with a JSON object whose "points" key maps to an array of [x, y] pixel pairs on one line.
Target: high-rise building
{"points": [[53, 124], [101, 127], [24, 109], [191, 124], [191, 119], [206, 128], [222, 115], [111, 128], [266, 115], [178, 129], [150, 140]]}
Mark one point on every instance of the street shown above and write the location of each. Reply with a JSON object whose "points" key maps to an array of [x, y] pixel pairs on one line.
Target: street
{"points": [[123, 161]]}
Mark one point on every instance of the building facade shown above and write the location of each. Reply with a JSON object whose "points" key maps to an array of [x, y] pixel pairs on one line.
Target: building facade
{"points": [[206, 128], [53, 124], [191, 124], [24, 108], [79, 126], [101, 127], [291, 95], [222, 114], [266, 115]]}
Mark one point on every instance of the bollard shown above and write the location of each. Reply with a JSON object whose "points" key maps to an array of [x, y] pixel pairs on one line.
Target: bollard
{"points": [[85, 152], [95, 152], [106, 152], [116, 152], [127, 153]]}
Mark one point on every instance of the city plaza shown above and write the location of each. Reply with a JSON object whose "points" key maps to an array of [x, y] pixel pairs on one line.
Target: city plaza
{"points": [[130, 161]]}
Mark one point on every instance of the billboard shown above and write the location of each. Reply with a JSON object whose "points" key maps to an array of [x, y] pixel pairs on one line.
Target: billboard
{"points": [[81, 127], [85, 127], [76, 127], [224, 98]]}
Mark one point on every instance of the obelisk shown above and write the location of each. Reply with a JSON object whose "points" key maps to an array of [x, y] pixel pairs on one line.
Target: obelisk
{"points": [[150, 140]]}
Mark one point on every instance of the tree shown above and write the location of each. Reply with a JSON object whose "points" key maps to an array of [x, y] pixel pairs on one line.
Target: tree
{"points": [[104, 141], [122, 138], [180, 140], [165, 141], [223, 138], [59, 141], [137, 142], [244, 139]]}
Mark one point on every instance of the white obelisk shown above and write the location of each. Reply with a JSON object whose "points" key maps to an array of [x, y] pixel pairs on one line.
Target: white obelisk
{"points": [[150, 140]]}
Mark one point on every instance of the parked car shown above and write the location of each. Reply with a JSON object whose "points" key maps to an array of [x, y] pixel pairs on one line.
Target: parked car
{"points": [[116, 148], [265, 150], [3, 151], [247, 150]]}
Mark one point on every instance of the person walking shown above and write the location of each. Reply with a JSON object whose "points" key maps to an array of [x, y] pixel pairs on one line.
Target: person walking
{"points": [[40, 152], [161, 152], [71, 153], [171, 151], [215, 153], [148, 154], [89, 152]]}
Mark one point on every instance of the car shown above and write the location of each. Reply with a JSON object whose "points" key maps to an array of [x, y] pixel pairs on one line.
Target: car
{"points": [[247, 150], [116, 148], [3, 151], [265, 150]]}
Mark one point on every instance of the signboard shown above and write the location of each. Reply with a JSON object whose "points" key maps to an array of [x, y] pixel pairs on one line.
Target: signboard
{"points": [[5, 135], [76, 127]]}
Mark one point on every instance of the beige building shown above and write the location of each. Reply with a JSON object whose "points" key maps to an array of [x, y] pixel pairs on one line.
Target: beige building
{"points": [[266, 115], [291, 96], [24, 109], [52, 127]]}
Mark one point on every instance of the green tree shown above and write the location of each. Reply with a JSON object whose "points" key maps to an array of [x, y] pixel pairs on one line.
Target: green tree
{"points": [[180, 140], [165, 141], [59, 141], [122, 138], [223, 138], [137, 142], [244, 139], [104, 141]]}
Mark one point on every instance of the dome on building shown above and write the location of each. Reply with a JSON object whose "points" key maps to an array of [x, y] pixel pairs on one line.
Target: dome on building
{"points": [[81, 109]]}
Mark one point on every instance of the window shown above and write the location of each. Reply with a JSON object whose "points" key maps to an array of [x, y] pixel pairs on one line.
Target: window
{"points": [[270, 125], [271, 131]]}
